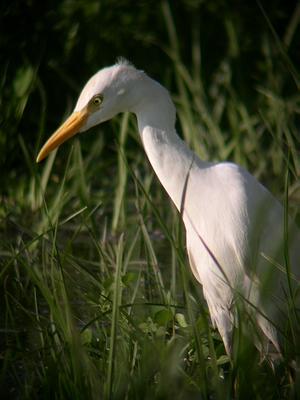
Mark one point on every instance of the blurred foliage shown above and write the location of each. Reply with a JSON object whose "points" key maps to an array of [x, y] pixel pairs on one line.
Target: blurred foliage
{"points": [[49, 49]]}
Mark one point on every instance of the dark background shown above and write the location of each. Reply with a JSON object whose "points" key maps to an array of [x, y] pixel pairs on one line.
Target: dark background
{"points": [[65, 42]]}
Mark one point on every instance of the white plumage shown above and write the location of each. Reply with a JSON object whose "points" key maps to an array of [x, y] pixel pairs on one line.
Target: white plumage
{"points": [[234, 226]]}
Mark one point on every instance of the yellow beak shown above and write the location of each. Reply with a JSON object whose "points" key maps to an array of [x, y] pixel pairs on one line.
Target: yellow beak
{"points": [[65, 132]]}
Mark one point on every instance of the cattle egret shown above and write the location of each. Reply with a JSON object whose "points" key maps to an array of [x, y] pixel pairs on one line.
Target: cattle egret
{"points": [[238, 245]]}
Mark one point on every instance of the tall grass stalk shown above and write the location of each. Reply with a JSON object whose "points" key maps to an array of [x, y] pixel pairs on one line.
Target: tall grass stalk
{"points": [[119, 209], [108, 390]]}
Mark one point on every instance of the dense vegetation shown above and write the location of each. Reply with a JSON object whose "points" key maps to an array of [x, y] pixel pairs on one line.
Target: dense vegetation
{"points": [[97, 299]]}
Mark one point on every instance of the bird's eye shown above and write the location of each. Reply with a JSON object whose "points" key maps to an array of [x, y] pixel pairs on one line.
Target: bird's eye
{"points": [[97, 100]]}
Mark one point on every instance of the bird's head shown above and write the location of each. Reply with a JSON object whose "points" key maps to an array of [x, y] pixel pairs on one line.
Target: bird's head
{"points": [[105, 95]]}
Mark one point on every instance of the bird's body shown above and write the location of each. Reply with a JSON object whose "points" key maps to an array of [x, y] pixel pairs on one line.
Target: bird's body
{"points": [[234, 226]]}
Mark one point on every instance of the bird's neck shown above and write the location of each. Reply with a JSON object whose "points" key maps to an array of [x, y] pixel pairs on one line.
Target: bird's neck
{"points": [[171, 160], [169, 156]]}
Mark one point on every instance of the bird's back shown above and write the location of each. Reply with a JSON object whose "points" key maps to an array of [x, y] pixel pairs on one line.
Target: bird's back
{"points": [[237, 248]]}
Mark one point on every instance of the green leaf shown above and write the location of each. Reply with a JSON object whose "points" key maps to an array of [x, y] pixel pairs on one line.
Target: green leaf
{"points": [[223, 360], [163, 317], [181, 320], [153, 310], [127, 278], [86, 336]]}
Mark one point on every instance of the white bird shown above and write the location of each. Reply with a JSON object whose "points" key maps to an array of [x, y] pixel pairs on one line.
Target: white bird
{"points": [[234, 226]]}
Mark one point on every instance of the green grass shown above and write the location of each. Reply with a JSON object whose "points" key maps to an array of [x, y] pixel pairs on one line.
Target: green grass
{"points": [[98, 298]]}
